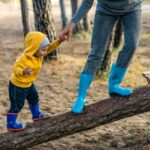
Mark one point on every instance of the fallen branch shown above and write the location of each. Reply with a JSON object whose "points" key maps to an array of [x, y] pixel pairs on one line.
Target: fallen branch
{"points": [[97, 114], [146, 75]]}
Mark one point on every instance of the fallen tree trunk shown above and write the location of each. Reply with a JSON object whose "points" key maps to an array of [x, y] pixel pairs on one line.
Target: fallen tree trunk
{"points": [[97, 114]]}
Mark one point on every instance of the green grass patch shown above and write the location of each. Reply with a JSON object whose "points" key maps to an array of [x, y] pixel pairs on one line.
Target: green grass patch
{"points": [[83, 35]]}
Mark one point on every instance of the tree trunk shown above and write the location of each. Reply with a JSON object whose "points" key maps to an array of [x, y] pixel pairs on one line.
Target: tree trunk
{"points": [[117, 34], [107, 58], [97, 114], [85, 23], [63, 13], [44, 21], [25, 16], [74, 7]]}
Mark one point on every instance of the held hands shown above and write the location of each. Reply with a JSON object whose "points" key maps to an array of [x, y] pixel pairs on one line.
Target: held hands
{"points": [[67, 31], [27, 71], [62, 38]]}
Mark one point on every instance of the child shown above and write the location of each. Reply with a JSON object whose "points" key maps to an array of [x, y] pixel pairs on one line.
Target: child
{"points": [[24, 73], [106, 14]]}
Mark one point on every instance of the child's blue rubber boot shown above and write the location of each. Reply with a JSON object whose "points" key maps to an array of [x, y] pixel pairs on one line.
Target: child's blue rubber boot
{"points": [[115, 78], [85, 81], [36, 113], [12, 125]]}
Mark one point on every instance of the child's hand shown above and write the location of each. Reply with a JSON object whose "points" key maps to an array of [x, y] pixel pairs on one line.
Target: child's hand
{"points": [[27, 71]]}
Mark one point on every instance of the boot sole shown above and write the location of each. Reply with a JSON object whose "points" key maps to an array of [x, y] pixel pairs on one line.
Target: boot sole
{"points": [[117, 95], [41, 118], [15, 130], [76, 113]]}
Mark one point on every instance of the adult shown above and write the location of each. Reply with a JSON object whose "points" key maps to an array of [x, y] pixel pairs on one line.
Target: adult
{"points": [[106, 15]]}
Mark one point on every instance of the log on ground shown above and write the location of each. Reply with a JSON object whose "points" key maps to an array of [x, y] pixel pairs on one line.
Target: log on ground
{"points": [[100, 113]]}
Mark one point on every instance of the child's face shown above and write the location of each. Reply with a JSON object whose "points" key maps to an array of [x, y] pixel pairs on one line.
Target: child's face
{"points": [[42, 52]]}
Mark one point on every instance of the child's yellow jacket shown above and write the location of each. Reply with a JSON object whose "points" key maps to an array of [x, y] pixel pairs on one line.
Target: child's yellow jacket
{"points": [[32, 42]]}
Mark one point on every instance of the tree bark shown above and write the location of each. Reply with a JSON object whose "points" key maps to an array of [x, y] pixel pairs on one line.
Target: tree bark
{"points": [[97, 114], [107, 58], [118, 34], [44, 21], [85, 23], [63, 13], [25, 16], [74, 8]]}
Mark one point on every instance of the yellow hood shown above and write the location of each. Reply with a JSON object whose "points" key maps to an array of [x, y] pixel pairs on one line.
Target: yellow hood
{"points": [[33, 41]]}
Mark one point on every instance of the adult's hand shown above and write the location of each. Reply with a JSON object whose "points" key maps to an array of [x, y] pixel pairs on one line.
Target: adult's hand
{"points": [[67, 31]]}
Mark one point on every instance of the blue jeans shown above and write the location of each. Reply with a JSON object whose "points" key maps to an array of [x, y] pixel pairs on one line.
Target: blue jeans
{"points": [[103, 26], [18, 96]]}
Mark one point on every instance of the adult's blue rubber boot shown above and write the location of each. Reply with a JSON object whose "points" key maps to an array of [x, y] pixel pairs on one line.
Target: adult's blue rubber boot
{"points": [[36, 113], [85, 81], [12, 125], [115, 78]]}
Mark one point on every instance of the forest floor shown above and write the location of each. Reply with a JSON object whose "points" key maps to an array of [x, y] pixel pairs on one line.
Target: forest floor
{"points": [[57, 85]]}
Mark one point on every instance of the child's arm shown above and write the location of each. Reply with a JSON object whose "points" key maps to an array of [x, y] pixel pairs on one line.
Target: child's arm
{"points": [[55, 44]]}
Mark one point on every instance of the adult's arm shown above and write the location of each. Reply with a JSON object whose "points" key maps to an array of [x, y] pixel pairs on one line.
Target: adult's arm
{"points": [[82, 11], [84, 8]]}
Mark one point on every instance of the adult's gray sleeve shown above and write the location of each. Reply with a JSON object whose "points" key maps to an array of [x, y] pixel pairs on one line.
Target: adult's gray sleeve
{"points": [[82, 11]]}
